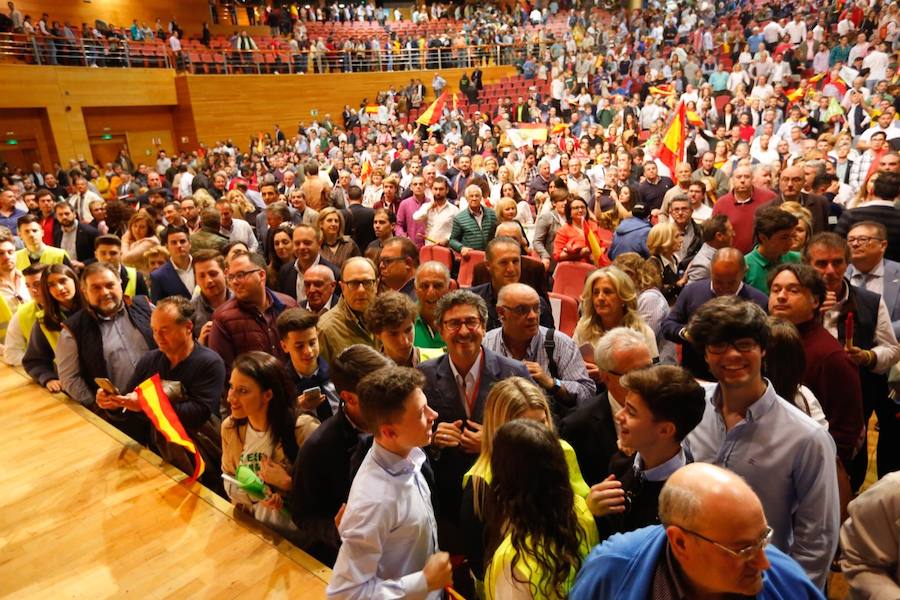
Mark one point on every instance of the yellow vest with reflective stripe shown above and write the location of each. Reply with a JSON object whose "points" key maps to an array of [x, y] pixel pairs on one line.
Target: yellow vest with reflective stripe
{"points": [[29, 314], [131, 286]]}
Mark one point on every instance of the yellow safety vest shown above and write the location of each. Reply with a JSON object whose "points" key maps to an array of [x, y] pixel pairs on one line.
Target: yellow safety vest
{"points": [[6, 314], [503, 557], [131, 286], [50, 256], [29, 314]]}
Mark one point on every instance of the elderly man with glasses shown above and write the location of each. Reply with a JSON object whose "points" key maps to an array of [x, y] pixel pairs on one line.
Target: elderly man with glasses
{"points": [[248, 320], [344, 324], [713, 543], [787, 458]]}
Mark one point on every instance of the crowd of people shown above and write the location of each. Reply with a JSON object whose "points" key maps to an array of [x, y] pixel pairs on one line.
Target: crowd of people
{"points": [[700, 431]]}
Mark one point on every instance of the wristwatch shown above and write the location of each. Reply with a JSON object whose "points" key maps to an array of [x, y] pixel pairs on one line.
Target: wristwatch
{"points": [[556, 385]]}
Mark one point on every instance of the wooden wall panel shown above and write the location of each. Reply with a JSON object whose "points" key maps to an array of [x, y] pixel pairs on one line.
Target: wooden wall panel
{"points": [[190, 14], [240, 106], [31, 127]]}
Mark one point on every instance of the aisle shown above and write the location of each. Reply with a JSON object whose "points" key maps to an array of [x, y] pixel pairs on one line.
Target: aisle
{"points": [[86, 513]]}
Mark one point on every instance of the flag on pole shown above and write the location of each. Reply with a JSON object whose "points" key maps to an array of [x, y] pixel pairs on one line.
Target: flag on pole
{"points": [[592, 242], [156, 406], [434, 111], [671, 147], [794, 95]]}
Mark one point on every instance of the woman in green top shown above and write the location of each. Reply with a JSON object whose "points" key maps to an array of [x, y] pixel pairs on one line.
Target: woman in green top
{"points": [[549, 531]]}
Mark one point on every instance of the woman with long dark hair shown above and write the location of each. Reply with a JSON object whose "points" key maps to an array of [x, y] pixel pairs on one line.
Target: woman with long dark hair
{"points": [[61, 299], [279, 249], [549, 530], [784, 365], [264, 434]]}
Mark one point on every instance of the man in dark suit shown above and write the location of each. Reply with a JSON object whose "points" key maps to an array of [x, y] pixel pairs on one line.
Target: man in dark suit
{"points": [[306, 248], [869, 268], [328, 460], [457, 385], [504, 262], [127, 189], [791, 183], [590, 428], [75, 238], [726, 271], [362, 218], [176, 276]]}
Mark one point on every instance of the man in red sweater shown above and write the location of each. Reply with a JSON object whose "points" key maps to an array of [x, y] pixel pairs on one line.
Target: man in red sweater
{"points": [[740, 206], [796, 293]]}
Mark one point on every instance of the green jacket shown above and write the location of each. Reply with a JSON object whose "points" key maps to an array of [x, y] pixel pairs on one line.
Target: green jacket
{"points": [[758, 268], [466, 231]]}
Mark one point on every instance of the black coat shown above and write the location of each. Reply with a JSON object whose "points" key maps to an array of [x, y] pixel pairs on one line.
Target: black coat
{"points": [[591, 431], [84, 240], [287, 276]]}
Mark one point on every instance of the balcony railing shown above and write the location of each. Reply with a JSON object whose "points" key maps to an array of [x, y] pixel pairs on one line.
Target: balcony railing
{"points": [[198, 59]]}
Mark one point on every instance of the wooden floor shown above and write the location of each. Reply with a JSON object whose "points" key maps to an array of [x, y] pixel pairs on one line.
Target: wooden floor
{"points": [[86, 513]]}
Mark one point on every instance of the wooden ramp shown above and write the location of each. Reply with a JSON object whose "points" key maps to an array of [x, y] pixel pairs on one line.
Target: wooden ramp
{"points": [[87, 513]]}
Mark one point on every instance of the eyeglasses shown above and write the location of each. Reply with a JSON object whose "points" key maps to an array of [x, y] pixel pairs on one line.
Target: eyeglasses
{"points": [[638, 368], [744, 554], [862, 240], [523, 310], [742, 345], [387, 260], [240, 275], [455, 324], [358, 283]]}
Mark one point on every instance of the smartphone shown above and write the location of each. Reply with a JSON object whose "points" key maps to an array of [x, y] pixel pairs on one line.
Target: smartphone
{"points": [[107, 386], [312, 396]]}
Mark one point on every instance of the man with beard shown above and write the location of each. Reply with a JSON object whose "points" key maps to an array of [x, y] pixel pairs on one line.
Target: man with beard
{"points": [[76, 238], [105, 339]]}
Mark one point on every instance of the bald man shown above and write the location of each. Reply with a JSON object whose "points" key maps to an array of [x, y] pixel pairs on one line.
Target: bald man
{"points": [[712, 543], [320, 288]]}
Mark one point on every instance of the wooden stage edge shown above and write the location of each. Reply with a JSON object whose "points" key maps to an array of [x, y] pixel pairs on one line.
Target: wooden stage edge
{"points": [[86, 512]]}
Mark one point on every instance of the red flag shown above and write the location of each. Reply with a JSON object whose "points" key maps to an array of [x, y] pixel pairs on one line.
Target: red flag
{"points": [[671, 147]]}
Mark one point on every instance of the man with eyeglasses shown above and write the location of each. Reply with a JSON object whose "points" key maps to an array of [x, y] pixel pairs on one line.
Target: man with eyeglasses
{"points": [[886, 191], [345, 324], [551, 357], [397, 266], [248, 320], [457, 385], [787, 458], [872, 345], [869, 268], [307, 242], [713, 542], [681, 213]]}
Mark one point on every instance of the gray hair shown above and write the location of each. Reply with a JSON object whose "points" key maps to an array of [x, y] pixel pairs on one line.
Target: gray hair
{"points": [[679, 506], [460, 298], [614, 340], [436, 266]]}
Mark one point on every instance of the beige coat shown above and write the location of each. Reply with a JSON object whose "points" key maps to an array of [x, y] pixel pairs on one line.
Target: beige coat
{"points": [[870, 538], [233, 437]]}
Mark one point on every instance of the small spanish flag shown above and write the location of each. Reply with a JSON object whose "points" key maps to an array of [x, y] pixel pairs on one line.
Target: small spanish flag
{"points": [[158, 409], [665, 89], [794, 95], [366, 170], [592, 242], [560, 128], [694, 119], [372, 109], [434, 111], [671, 148]]}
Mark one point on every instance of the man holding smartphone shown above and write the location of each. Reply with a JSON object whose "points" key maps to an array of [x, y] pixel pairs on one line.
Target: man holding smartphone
{"points": [[309, 372]]}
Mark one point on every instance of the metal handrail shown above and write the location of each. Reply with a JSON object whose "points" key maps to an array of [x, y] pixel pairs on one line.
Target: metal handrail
{"points": [[194, 58]]}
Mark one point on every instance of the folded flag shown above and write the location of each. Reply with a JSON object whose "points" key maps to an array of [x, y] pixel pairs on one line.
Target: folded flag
{"points": [[592, 242]]}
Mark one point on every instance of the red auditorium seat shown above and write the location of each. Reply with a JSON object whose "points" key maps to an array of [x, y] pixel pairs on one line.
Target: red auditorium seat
{"points": [[569, 278], [467, 267], [568, 312]]}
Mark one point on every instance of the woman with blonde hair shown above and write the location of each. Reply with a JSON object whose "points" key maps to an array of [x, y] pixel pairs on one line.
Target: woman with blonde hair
{"points": [[663, 241], [609, 300], [203, 200], [239, 203], [336, 247], [139, 237], [513, 398], [373, 190], [803, 231], [651, 303]]}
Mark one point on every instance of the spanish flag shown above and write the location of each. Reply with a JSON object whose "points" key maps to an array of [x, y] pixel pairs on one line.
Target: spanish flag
{"points": [[158, 409], [260, 145], [366, 170], [694, 119], [662, 90], [671, 148], [560, 128], [592, 242], [817, 78], [433, 113], [372, 109], [794, 95]]}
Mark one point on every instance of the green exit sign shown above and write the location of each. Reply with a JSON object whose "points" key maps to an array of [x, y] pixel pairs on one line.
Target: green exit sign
{"points": [[12, 142], [106, 136]]}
